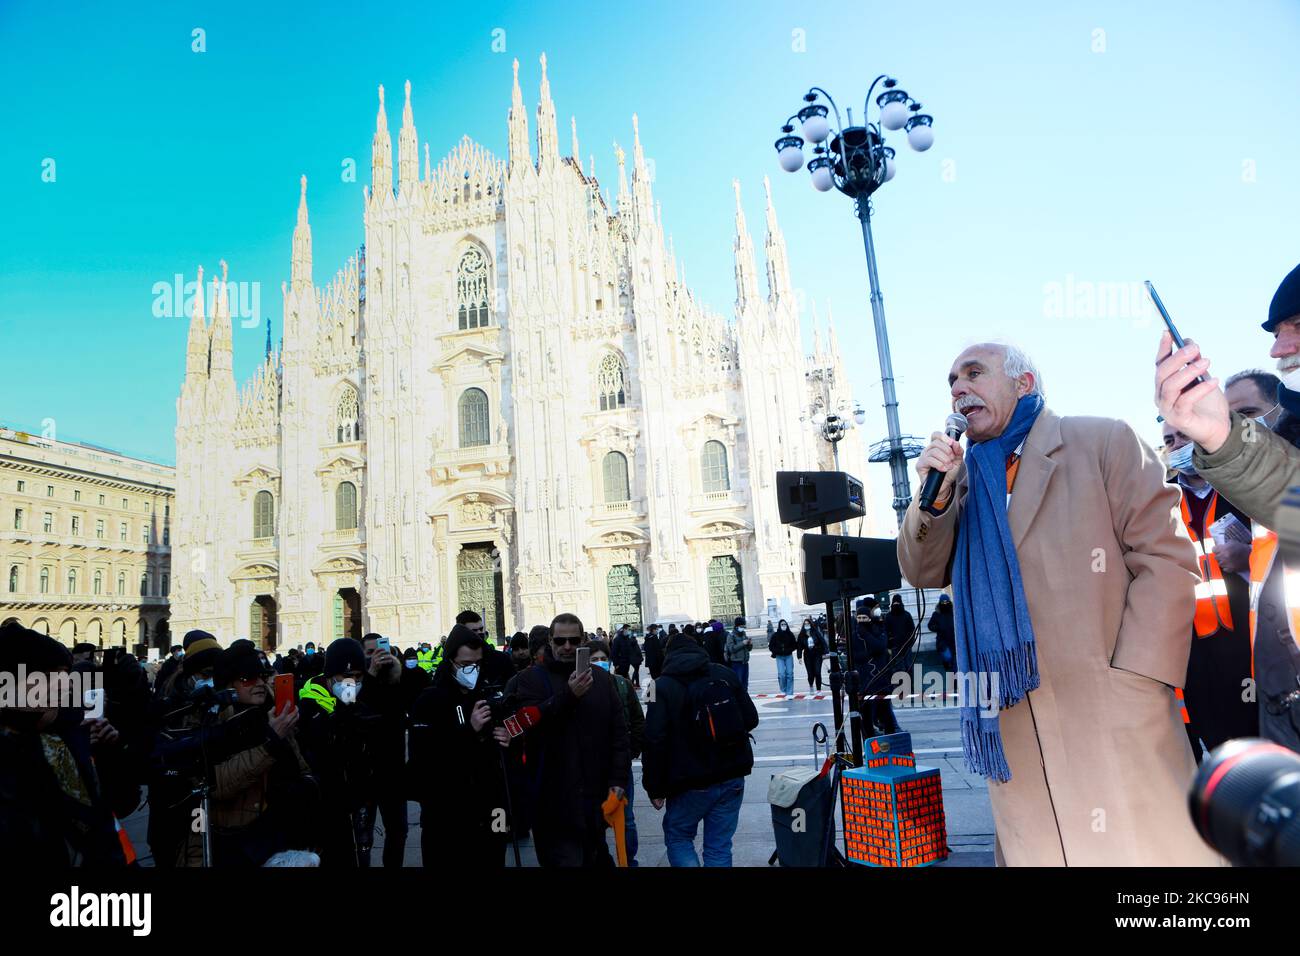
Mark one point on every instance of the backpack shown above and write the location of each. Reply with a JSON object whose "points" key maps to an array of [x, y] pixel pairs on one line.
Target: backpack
{"points": [[714, 717]]}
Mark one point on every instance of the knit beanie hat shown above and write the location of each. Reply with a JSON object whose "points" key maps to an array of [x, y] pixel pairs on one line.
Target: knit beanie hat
{"points": [[200, 653], [345, 654]]}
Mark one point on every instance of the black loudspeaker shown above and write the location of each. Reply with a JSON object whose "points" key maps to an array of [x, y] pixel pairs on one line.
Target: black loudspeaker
{"points": [[810, 499], [834, 564]]}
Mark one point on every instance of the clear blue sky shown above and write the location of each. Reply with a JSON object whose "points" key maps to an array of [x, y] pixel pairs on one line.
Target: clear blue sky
{"points": [[1164, 147]]}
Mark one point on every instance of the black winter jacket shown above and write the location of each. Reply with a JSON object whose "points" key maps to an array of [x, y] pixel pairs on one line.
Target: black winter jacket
{"points": [[673, 762], [579, 750], [654, 654], [782, 643]]}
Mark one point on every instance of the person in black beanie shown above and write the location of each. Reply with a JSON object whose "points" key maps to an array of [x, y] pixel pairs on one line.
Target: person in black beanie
{"points": [[348, 714], [54, 812]]}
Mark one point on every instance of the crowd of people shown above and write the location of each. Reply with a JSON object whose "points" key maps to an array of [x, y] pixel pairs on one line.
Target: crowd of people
{"points": [[246, 759]]}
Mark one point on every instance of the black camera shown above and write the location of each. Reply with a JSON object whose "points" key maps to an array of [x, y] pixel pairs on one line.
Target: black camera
{"points": [[1245, 803], [498, 703]]}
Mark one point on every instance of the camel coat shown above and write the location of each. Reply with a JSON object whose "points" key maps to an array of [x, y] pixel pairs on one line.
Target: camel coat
{"points": [[1100, 763]]}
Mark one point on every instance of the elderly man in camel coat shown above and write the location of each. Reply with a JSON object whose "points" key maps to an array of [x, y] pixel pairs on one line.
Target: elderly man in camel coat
{"points": [[1099, 764]]}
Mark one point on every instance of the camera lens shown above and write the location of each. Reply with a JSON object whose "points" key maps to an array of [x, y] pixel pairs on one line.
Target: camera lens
{"points": [[1245, 803]]}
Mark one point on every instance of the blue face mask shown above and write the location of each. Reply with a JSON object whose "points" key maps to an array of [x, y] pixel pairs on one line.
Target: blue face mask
{"points": [[603, 665], [202, 682], [310, 651], [1180, 459], [411, 664]]}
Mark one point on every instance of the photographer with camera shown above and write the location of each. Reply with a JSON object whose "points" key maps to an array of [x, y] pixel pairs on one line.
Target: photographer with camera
{"points": [[263, 796], [180, 746], [348, 714], [456, 770]]}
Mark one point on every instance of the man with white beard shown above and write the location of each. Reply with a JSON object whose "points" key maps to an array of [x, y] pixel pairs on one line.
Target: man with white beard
{"points": [[1254, 468]]}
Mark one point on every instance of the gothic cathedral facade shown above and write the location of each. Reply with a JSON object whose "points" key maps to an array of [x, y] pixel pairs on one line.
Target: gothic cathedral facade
{"points": [[507, 401]]}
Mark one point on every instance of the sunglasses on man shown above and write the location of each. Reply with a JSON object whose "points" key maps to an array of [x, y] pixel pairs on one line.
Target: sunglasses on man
{"points": [[561, 641]]}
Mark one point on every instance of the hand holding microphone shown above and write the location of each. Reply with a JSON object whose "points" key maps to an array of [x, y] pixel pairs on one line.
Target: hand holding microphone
{"points": [[936, 468]]}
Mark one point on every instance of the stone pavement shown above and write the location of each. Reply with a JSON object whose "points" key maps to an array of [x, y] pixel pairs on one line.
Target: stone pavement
{"points": [[783, 740]]}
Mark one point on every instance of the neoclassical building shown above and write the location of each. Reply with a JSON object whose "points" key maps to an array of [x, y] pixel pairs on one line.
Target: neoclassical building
{"points": [[85, 541], [508, 400]]}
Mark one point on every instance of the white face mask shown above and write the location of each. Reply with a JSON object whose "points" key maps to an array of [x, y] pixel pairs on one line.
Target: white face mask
{"points": [[202, 682], [467, 676], [1292, 379], [1180, 460], [346, 690]]}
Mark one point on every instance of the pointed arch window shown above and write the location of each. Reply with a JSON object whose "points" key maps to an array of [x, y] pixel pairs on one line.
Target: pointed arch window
{"points": [[611, 382], [263, 515], [473, 414], [472, 290], [345, 506], [713, 467], [347, 417], [617, 487]]}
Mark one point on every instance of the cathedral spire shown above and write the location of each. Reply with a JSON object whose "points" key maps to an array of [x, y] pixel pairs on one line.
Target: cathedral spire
{"points": [[521, 156], [268, 338], [577, 153], [778, 263], [548, 140], [222, 346], [381, 153], [300, 267], [624, 196], [196, 347], [640, 177], [746, 274], [817, 335], [834, 343], [408, 159], [426, 162]]}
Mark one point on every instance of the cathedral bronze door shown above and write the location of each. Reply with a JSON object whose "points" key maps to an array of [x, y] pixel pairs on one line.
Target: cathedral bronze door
{"points": [[261, 623], [478, 587], [726, 594], [624, 597], [347, 614]]}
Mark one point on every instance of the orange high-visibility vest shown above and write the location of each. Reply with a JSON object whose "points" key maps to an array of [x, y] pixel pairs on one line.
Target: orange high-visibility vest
{"points": [[1263, 552], [1212, 610]]}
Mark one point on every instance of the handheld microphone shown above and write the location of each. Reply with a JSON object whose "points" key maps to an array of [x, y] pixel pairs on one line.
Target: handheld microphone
{"points": [[954, 428], [524, 719]]}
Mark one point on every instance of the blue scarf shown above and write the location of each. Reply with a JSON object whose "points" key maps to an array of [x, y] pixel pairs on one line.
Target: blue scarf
{"points": [[994, 634]]}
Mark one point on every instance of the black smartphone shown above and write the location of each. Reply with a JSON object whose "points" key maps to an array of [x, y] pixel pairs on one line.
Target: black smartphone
{"points": [[1169, 323]]}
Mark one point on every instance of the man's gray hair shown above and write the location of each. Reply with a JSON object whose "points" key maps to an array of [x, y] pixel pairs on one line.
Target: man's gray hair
{"points": [[1016, 363]]}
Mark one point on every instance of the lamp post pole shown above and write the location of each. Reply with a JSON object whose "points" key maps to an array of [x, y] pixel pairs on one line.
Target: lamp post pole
{"points": [[855, 160], [897, 453]]}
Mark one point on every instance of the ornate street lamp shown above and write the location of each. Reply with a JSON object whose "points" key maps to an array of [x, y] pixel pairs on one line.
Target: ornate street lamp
{"points": [[856, 161]]}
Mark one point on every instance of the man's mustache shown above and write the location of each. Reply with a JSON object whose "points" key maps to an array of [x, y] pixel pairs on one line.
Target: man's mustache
{"points": [[967, 401]]}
